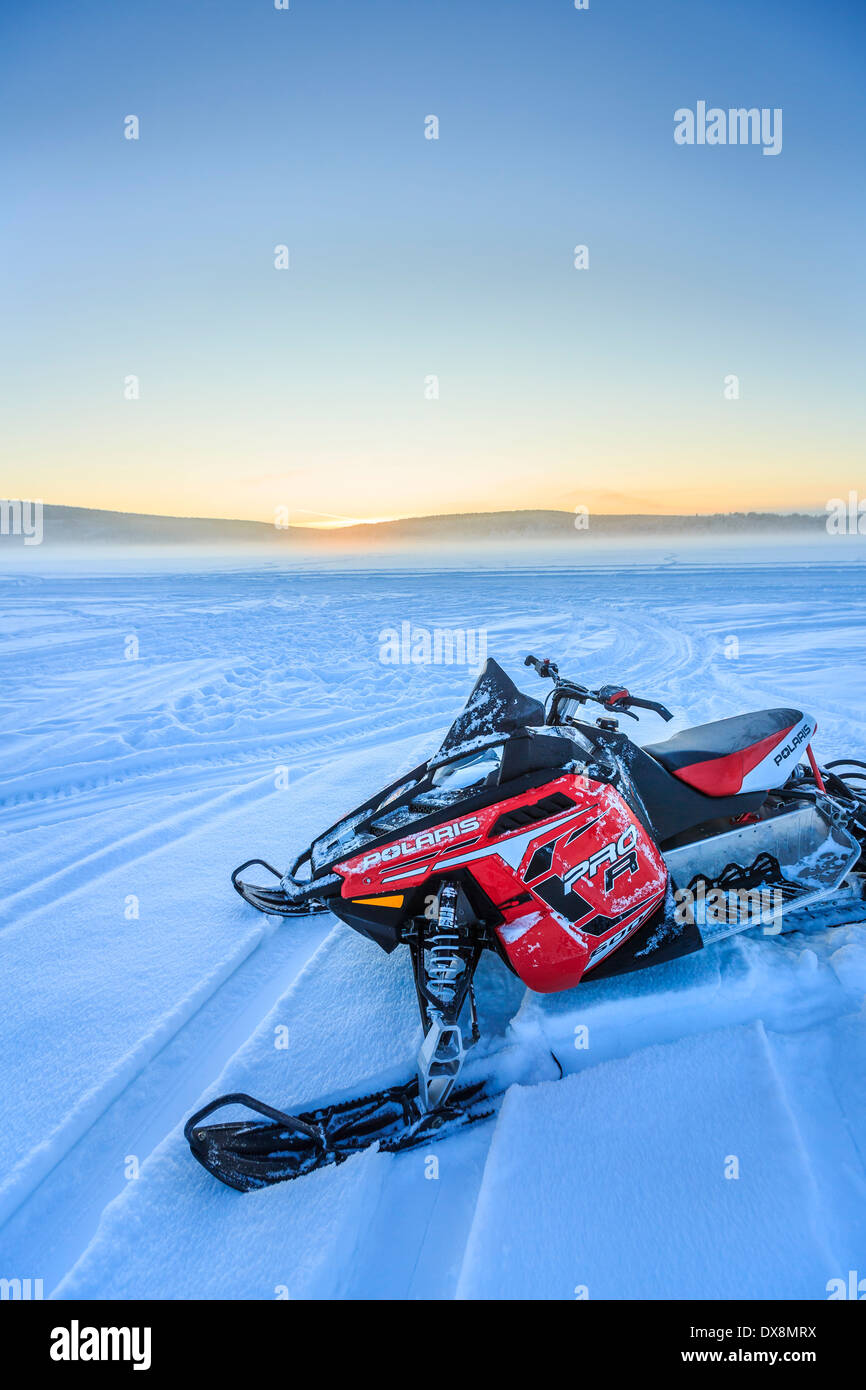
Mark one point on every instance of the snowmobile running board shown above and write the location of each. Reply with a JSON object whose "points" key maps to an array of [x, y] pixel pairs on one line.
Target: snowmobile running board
{"points": [[795, 859], [250, 1154]]}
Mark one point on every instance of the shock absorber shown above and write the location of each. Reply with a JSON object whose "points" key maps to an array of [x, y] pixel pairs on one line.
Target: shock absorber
{"points": [[444, 958], [445, 961]]}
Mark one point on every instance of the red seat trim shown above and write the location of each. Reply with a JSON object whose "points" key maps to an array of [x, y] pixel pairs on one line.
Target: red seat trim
{"points": [[724, 776]]}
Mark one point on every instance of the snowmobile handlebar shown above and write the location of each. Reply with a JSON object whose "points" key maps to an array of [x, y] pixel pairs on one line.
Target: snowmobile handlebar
{"points": [[615, 698]]}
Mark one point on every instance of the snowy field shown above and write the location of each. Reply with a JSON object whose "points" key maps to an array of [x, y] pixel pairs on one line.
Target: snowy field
{"points": [[145, 722]]}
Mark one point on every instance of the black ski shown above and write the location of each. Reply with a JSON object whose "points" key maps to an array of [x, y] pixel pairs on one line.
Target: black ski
{"points": [[250, 1154]]}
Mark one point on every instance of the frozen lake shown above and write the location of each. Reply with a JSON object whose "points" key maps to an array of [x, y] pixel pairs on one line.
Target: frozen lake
{"points": [[157, 729]]}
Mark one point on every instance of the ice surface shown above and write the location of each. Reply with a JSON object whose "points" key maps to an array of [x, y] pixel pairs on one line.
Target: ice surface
{"points": [[249, 712]]}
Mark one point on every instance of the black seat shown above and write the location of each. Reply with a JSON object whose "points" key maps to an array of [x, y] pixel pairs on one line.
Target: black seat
{"points": [[722, 737], [716, 757]]}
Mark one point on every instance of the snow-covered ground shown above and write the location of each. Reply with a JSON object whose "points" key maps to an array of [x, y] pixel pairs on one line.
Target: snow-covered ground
{"points": [[156, 729]]}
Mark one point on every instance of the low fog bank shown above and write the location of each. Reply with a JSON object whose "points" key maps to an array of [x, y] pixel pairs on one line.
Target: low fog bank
{"points": [[81, 540], [67, 535], [648, 552]]}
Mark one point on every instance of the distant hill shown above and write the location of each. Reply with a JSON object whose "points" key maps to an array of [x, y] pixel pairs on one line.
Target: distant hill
{"points": [[83, 526]]}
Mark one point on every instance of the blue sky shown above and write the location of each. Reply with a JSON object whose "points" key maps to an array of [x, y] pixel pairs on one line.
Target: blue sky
{"points": [[305, 388]]}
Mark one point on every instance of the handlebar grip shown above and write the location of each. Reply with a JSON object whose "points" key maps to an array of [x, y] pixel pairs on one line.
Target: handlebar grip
{"points": [[652, 705], [617, 697], [544, 668]]}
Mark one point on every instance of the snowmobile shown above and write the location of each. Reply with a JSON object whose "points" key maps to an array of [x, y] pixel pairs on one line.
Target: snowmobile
{"points": [[555, 841]]}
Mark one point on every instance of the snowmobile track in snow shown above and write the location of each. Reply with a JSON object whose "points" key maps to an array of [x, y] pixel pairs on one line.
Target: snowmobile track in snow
{"points": [[154, 781]]}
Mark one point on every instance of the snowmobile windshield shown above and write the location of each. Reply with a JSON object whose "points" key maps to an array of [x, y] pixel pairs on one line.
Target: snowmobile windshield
{"points": [[469, 758], [450, 784], [495, 707]]}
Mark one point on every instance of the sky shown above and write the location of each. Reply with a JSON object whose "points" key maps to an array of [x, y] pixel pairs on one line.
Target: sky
{"points": [[309, 390]]}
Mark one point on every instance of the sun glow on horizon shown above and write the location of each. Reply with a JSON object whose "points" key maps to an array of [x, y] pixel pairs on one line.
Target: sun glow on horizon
{"points": [[335, 522]]}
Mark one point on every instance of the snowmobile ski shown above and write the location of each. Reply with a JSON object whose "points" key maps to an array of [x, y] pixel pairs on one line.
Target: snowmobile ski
{"points": [[250, 1154]]}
